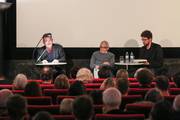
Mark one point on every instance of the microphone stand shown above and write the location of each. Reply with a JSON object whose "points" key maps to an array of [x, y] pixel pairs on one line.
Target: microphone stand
{"points": [[36, 48]]}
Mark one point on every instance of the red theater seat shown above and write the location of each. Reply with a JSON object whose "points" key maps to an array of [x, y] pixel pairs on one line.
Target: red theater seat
{"points": [[39, 100], [63, 117], [119, 117], [52, 109]]}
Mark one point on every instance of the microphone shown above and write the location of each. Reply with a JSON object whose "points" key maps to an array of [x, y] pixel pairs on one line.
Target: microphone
{"points": [[41, 55], [36, 48]]}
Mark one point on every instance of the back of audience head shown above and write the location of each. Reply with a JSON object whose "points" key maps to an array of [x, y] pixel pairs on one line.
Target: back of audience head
{"points": [[77, 88], [4, 95], [105, 71], [42, 115], [33, 89], [122, 73], [111, 99], [84, 75], [17, 107], [176, 103], [122, 85], [153, 95], [176, 79], [83, 108], [66, 106], [144, 76], [74, 71], [162, 110], [107, 83], [61, 82], [162, 83], [46, 75], [20, 81]]}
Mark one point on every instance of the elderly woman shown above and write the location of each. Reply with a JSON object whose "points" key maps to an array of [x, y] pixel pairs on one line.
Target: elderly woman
{"points": [[84, 75]]}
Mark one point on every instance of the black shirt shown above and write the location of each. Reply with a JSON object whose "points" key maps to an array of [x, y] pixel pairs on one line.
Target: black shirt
{"points": [[154, 55]]}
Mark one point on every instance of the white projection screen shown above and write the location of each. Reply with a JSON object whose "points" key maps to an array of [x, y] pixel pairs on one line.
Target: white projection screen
{"points": [[84, 23]]}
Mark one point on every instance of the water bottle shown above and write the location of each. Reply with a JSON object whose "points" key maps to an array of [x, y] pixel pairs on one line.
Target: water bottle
{"points": [[131, 57], [127, 57]]}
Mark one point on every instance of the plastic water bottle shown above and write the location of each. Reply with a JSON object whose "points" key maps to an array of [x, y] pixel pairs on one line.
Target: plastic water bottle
{"points": [[127, 57], [131, 57]]}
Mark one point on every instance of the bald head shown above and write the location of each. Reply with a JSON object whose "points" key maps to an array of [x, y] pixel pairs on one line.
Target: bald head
{"points": [[112, 97]]}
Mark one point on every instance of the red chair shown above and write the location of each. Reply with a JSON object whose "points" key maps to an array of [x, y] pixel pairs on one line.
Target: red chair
{"points": [[60, 98], [98, 80], [21, 92], [138, 91], [130, 99], [6, 86], [139, 108], [39, 100], [132, 80], [174, 91], [92, 85], [170, 98], [98, 109], [47, 86], [54, 93], [119, 117], [63, 117], [39, 81], [33, 109]]}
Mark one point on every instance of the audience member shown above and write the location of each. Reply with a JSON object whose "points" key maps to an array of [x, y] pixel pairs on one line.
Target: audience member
{"points": [[77, 88], [176, 79], [96, 95], [112, 100], [84, 75], [33, 89], [61, 82], [107, 83], [122, 85], [105, 72], [176, 108], [83, 108], [46, 75], [42, 115], [162, 110], [74, 71], [66, 106], [122, 73], [4, 95], [145, 77], [17, 107], [162, 83], [20, 81]]}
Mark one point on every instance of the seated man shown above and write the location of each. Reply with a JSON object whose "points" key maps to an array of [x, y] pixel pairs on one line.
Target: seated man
{"points": [[102, 57], [151, 51], [51, 52]]}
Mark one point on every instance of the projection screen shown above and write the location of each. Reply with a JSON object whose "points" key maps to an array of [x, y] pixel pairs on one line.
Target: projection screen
{"points": [[84, 23]]}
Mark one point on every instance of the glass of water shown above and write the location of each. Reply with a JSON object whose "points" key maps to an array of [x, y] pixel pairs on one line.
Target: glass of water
{"points": [[121, 59]]}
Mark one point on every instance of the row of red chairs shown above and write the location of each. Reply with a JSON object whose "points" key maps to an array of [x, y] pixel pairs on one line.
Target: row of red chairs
{"points": [[98, 117]]}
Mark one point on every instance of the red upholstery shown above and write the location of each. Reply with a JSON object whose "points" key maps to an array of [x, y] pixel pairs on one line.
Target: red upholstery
{"points": [[60, 98], [170, 98], [63, 117], [47, 86], [119, 116], [174, 91], [39, 100], [130, 99], [21, 92], [93, 85], [39, 81], [138, 91], [33, 109], [139, 108], [6, 86]]}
